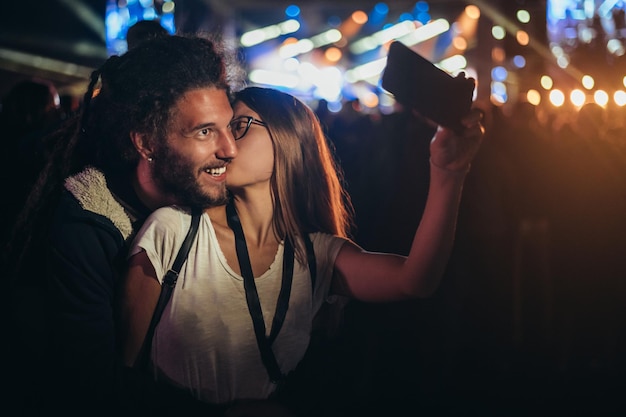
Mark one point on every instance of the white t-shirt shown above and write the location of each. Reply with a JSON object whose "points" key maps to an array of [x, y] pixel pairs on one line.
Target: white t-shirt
{"points": [[205, 340]]}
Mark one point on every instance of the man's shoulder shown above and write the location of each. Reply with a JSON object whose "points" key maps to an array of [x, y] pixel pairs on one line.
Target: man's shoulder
{"points": [[87, 197], [171, 212], [167, 221]]}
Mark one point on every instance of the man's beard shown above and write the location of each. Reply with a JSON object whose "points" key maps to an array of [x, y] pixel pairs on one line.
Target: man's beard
{"points": [[175, 176]]}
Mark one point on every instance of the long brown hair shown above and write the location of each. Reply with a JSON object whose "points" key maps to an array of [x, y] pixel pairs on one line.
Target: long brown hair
{"points": [[307, 183]]}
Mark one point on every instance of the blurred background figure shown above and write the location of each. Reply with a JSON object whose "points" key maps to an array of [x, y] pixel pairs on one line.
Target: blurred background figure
{"points": [[30, 109], [143, 30], [591, 122]]}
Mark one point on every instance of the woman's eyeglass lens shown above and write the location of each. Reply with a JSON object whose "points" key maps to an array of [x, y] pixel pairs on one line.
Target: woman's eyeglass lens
{"points": [[241, 125]]}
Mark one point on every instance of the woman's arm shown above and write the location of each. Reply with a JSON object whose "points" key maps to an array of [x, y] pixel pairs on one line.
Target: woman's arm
{"points": [[379, 277], [139, 299]]}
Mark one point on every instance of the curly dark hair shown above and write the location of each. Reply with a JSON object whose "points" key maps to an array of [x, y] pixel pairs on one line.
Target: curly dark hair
{"points": [[134, 92], [138, 92]]}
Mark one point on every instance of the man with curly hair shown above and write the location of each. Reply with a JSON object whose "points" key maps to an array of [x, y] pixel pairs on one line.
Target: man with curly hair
{"points": [[153, 131]]}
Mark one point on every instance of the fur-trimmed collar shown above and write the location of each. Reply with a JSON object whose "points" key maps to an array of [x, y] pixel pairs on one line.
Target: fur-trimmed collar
{"points": [[90, 188]]}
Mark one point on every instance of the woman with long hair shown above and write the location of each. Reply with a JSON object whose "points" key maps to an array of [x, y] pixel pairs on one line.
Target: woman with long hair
{"points": [[261, 267]]}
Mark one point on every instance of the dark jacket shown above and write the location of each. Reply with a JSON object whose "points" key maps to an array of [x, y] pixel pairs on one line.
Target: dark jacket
{"points": [[63, 309], [85, 257], [65, 341]]}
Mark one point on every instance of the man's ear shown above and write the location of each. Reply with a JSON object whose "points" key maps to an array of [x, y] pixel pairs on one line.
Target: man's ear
{"points": [[142, 145]]}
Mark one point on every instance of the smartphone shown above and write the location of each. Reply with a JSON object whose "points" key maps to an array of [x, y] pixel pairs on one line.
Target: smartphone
{"points": [[417, 83]]}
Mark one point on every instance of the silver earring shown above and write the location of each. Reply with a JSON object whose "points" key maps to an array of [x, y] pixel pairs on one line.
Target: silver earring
{"points": [[150, 159]]}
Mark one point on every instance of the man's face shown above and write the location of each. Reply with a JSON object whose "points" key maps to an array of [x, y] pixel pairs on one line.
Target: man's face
{"points": [[190, 166]]}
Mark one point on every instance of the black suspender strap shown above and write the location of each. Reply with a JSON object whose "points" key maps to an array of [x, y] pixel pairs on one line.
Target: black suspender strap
{"points": [[254, 306], [282, 305], [169, 282]]}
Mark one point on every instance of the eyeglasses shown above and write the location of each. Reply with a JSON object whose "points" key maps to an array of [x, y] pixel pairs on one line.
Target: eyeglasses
{"points": [[241, 125]]}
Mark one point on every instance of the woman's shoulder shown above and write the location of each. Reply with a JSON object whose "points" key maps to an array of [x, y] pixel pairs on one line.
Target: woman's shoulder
{"points": [[326, 238], [326, 243]]}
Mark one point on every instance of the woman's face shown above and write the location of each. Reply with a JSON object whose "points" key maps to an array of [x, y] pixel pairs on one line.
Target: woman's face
{"points": [[254, 163]]}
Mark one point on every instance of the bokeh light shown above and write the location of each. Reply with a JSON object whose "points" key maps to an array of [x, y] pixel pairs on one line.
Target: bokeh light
{"points": [[557, 98], [577, 97], [588, 82], [497, 54], [546, 82], [620, 98], [533, 97], [601, 97], [519, 61], [523, 16], [359, 17], [472, 11], [522, 37], [498, 32]]}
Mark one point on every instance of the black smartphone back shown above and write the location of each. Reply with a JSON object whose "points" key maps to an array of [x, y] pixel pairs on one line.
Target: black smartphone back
{"points": [[417, 83]]}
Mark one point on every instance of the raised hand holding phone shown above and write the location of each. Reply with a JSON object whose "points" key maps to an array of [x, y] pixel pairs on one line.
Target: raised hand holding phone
{"points": [[419, 85]]}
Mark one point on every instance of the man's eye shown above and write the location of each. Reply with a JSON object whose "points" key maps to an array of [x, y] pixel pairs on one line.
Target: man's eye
{"points": [[204, 132]]}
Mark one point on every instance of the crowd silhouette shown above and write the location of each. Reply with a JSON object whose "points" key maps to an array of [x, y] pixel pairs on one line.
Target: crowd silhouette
{"points": [[30, 110], [530, 317]]}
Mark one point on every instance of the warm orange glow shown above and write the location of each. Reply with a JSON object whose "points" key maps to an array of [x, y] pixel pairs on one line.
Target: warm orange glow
{"points": [[290, 41], [359, 17], [333, 54], [369, 100], [522, 37], [352, 25], [497, 54], [472, 11], [459, 43], [533, 97], [467, 22]]}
